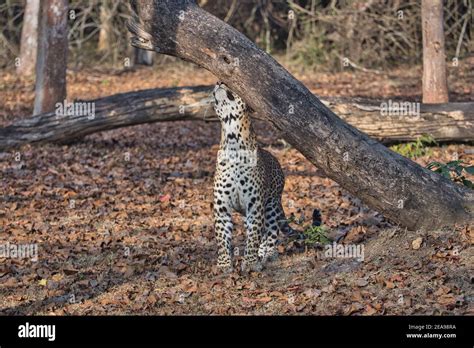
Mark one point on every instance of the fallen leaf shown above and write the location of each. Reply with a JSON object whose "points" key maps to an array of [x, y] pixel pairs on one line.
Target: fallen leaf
{"points": [[310, 293], [416, 244], [369, 310], [447, 300], [190, 286], [264, 299], [57, 277], [355, 307], [165, 198], [442, 290], [356, 296]]}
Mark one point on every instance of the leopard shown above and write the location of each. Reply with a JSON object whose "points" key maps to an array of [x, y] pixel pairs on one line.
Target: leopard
{"points": [[250, 181]]}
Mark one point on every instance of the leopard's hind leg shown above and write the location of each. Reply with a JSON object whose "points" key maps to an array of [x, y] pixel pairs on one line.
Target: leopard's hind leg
{"points": [[268, 248], [254, 221]]}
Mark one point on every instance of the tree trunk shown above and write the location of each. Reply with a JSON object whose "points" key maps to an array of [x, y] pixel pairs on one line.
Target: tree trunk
{"points": [[29, 38], [445, 122], [435, 85], [116, 111], [402, 190], [391, 122], [105, 33], [52, 56]]}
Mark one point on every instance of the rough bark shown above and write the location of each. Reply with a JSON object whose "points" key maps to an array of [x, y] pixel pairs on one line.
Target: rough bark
{"points": [[116, 111], [403, 191], [435, 85], [52, 56], [452, 122], [445, 122], [29, 38]]}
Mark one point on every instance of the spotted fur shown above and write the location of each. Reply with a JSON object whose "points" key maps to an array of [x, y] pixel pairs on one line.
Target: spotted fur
{"points": [[248, 180]]}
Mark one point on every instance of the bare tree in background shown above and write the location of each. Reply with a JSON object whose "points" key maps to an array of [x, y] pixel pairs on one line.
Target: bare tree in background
{"points": [[52, 56], [29, 38], [435, 86], [107, 11]]}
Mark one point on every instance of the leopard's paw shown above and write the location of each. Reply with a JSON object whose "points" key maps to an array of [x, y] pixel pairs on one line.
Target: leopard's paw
{"points": [[252, 266], [270, 256]]}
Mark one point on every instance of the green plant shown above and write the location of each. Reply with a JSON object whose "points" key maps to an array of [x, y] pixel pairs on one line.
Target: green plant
{"points": [[316, 235], [417, 148], [454, 171]]}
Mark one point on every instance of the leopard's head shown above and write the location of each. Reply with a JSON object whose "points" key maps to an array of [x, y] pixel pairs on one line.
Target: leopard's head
{"points": [[228, 104]]}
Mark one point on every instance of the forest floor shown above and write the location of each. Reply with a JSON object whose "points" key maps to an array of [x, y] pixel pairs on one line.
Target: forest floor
{"points": [[122, 220]]}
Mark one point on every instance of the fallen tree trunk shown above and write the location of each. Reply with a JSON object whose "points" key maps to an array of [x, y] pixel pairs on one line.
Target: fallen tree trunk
{"points": [[395, 122], [403, 191], [119, 110], [445, 122]]}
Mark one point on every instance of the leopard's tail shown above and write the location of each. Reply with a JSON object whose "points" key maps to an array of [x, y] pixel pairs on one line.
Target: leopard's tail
{"points": [[288, 231]]}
